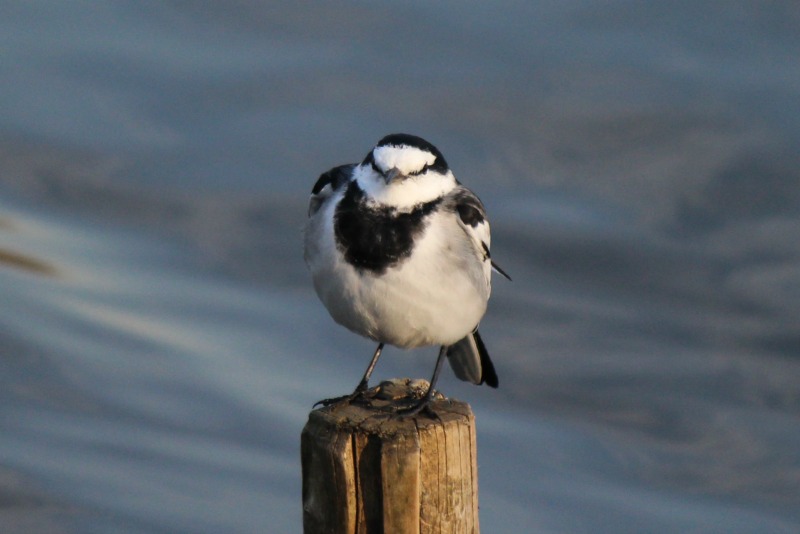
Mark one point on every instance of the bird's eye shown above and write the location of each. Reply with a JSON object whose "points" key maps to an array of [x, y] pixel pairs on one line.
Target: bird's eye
{"points": [[421, 171]]}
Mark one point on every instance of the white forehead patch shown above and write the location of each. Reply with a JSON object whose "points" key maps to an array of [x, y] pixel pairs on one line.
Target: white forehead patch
{"points": [[407, 159]]}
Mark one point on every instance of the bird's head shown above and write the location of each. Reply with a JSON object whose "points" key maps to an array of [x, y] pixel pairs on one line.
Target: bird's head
{"points": [[404, 170]]}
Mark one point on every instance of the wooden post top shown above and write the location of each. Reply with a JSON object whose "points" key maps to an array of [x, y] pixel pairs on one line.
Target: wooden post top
{"points": [[366, 470], [378, 416]]}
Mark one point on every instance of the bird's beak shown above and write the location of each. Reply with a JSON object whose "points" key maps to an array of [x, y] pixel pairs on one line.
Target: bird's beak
{"points": [[392, 175]]}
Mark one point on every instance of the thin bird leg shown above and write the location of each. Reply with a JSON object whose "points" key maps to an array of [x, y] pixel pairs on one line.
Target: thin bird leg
{"points": [[424, 401], [361, 387], [364, 384]]}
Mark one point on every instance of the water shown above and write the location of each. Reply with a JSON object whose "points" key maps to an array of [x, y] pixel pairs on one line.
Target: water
{"points": [[160, 343]]}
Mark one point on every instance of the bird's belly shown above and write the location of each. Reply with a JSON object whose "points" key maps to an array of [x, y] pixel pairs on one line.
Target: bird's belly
{"points": [[411, 312], [423, 301]]}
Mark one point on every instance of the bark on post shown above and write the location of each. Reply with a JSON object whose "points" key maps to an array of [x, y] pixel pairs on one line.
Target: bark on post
{"points": [[366, 471]]}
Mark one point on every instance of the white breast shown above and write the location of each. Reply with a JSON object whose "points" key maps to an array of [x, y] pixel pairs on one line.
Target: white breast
{"points": [[435, 297]]}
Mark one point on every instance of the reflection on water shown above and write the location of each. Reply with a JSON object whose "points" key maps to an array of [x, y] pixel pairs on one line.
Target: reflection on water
{"points": [[17, 260], [160, 343], [25, 263]]}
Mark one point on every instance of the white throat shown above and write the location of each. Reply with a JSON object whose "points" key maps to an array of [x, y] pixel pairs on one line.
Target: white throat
{"points": [[407, 193]]}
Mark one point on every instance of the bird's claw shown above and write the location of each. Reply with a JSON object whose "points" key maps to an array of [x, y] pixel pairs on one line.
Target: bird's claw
{"points": [[415, 409], [355, 396]]}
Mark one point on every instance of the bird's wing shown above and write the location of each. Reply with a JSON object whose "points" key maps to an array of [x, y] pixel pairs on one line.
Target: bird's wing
{"points": [[472, 218], [327, 184], [468, 357]]}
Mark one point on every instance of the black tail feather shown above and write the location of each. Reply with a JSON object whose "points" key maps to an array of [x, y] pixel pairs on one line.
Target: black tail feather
{"points": [[489, 375]]}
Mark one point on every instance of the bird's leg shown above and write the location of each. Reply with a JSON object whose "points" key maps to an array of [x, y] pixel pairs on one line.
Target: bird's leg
{"points": [[424, 401], [362, 386]]}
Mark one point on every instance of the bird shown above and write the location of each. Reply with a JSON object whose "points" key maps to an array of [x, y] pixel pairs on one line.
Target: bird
{"points": [[399, 252]]}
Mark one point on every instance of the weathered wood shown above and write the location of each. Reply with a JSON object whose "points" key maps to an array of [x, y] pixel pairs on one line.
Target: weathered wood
{"points": [[366, 470]]}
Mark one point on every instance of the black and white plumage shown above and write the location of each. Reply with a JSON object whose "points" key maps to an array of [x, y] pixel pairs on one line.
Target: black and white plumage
{"points": [[398, 251]]}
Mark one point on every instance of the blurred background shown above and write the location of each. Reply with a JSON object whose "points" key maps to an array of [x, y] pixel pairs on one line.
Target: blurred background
{"points": [[160, 341]]}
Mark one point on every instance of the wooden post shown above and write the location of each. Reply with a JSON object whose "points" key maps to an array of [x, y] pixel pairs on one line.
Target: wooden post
{"points": [[368, 471]]}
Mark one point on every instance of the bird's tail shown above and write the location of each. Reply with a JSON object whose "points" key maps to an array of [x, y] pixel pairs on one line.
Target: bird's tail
{"points": [[470, 361]]}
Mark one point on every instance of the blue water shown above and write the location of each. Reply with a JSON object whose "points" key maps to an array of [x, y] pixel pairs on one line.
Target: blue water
{"points": [[160, 342]]}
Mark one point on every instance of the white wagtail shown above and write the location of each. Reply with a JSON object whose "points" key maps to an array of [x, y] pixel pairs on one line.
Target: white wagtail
{"points": [[399, 252]]}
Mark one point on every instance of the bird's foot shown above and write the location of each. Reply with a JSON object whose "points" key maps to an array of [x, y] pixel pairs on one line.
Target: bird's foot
{"points": [[400, 397], [416, 399], [421, 406], [359, 396]]}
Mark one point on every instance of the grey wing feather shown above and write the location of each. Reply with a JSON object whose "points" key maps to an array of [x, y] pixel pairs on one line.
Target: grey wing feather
{"points": [[470, 361], [472, 217]]}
